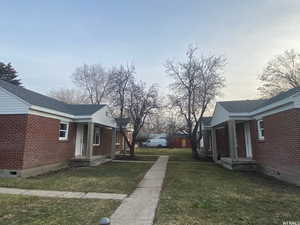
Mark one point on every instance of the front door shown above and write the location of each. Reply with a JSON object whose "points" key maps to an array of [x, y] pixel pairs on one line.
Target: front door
{"points": [[81, 137], [79, 140], [248, 144]]}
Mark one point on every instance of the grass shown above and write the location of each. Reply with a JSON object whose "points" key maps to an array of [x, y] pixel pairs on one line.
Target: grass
{"points": [[27, 210], [176, 154], [194, 193], [137, 157], [206, 194], [110, 177]]}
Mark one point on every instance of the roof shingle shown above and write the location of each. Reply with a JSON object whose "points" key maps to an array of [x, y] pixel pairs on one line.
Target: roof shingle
{"points": [[251, 105], [37, 99], [281, 96], [242, 106]]}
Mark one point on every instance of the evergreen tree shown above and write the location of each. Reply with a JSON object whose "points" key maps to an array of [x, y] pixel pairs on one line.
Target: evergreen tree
{"points": [[9, 74]]}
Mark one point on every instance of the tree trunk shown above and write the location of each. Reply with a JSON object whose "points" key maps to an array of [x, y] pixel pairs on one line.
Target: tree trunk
{"points": [[131, 148], [194, 149]]}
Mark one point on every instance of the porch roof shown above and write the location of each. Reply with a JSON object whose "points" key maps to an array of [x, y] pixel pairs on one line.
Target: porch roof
{"points": [[248, 109], [242, 106]]}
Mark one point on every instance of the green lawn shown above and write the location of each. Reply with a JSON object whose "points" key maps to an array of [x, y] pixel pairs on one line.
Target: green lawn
{"points": [[206, 194], [176, 154], [110, 177], [25, 210], [194, 193], [143, 157]]}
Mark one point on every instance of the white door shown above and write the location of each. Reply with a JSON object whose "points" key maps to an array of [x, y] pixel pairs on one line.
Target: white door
{"points": [[248, 140], [79, 140]]}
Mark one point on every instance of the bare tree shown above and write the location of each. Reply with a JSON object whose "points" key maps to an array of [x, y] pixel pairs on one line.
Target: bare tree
{"points": [[157, 122], [174, 121], [197, 82], [94, 80], [165, 120], [70, 96], [133, 100], [280, 74]]}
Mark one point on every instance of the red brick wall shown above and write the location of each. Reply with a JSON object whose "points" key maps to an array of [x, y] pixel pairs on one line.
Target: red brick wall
{"points": [[12, 141], [222, 141], [280, 150], [106, 140], [42, 145]]}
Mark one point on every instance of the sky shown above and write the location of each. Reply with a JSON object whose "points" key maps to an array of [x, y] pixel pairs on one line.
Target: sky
{"points": [[46, 40]]}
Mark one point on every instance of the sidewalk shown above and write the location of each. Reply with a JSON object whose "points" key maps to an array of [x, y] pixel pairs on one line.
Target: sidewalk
{"points": [[62, 194], [139, 208]]}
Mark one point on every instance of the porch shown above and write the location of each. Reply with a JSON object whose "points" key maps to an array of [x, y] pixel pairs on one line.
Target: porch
{"points": [[241, 164], [231, 145], [95, 144]]}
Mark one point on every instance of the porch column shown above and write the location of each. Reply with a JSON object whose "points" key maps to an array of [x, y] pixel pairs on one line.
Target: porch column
{"points": [[113, 144], [214, 144], [232, 140], [90, 140]]}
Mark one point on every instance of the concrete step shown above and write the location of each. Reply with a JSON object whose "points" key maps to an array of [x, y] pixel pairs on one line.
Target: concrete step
{"points": [[241, 164]]}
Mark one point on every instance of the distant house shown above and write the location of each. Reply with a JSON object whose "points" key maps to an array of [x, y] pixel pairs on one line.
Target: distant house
{"points": [[180, 139], [261, 135], [38, 133]]}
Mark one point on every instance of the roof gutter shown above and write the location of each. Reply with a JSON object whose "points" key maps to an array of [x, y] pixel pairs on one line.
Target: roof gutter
{"points": [[57, 113]]}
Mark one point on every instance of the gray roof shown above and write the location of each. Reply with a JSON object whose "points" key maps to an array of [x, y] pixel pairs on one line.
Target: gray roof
{"points": [[86, 109], [280, 96], [206, 120], [181, 133], [251, 105], [242, 106], [44, 101]]}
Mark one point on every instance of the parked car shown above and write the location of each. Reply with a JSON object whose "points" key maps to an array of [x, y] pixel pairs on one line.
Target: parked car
{"points": [[156, 142]]}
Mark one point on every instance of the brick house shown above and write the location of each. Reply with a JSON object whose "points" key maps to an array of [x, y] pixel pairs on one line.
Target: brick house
{"points": [[38, 133], [262, 135]]}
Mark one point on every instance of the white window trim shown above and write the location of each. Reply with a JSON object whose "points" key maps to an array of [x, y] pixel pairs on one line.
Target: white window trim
{"points": [[67, 131], [259, 130], [94, 138]]}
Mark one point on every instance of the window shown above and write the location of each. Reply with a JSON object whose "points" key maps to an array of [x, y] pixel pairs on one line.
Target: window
{"points": [[63, 131], [97, 136], [261, 129]]}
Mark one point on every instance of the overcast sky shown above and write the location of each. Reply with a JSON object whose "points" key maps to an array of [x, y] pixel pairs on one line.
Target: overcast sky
{"points": [[46, 40]]}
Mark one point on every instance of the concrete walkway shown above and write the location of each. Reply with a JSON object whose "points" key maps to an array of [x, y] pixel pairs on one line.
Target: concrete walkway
{"points": [[62, 194], [139, 208]]}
